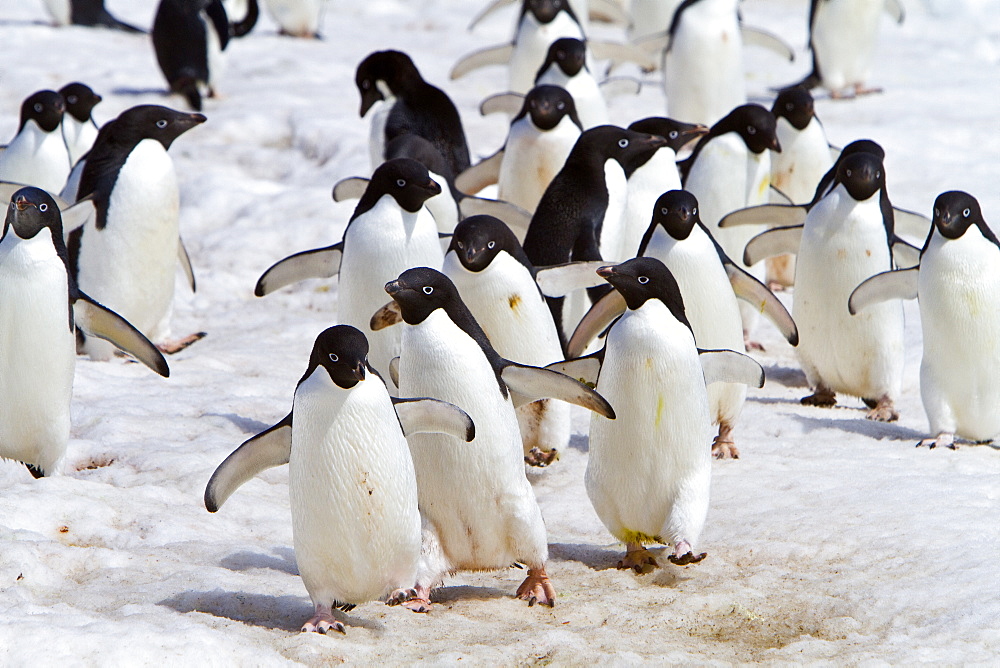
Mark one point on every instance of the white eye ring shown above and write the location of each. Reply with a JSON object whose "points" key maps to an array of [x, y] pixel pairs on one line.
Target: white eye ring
{"points": [[878, 174], [491, 244], [623, 143], [643, 280], [789, 106], [751, 130], [460, 244], [694, 211], [401, 183], [560, 105], [45, 207], [366, 84], [848, 172], [333, 357], [673, 134], [664, 211], [428, 289], [38, 107], [162, 123], [966, 213], [936, 213], [71, 99]]}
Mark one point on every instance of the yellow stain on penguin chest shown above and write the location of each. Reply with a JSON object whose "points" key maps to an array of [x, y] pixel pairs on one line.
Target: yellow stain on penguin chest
{"points": [[660, 405], [514, 301]]}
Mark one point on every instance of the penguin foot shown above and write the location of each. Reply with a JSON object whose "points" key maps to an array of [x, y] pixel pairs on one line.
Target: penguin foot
{"points": [[171, 347], [943, 439], [883, 411], [416, 599], [322, 621], [536, 588], [683, 555], [723, 445], [750, 344], [536, 457], [639, 559], [823, 397]]}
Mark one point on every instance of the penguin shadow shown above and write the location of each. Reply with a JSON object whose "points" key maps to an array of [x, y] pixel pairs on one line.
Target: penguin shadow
{"points": [[128, 90], [284, 561], [601, 558], [580, 442], [860, 426], [789, 376], [457, 593], [246, 425]]}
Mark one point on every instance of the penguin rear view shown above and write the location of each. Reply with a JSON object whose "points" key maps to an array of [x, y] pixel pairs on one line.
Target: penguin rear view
{"points": [[188, 37]]}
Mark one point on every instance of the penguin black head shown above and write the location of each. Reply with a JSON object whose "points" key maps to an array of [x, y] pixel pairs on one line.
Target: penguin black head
{"points": [[150, 121], [677, 212], [405, 179], [609, 142], [545, 11], [479, 239], [30, 211], [421, 291], [547, 106], [393, 69], [862, 175], [568, 54], [80, 100], [955, 212], [343, 352], [643, 278], [795, 105], [862, 146], [676, 133], [755, 124], [45, 108]]}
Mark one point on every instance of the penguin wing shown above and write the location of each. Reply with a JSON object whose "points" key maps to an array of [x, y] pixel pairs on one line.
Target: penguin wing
{"points": [[271, 447], [772, 242], [894, 8], [586, 369], [185, 259], [559, 280], [911, 223], [386, 316], [432, 416], [531, 383], [487, 10], [904, 254], [619, 86], [316, 263], [516, 218], [777, 194], [749, 289], [767, 40], [353, 187], [608, 11], [502, 103], [774, 215], [492, 55], [619, 53], [394, 371], [75, 216], [604, 312], [483, 173], [729, 366], [217, 15], [102, 322], [896, 284]]}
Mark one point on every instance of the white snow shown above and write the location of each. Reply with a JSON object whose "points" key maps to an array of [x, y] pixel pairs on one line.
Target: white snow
{"points": [[832, 540]]}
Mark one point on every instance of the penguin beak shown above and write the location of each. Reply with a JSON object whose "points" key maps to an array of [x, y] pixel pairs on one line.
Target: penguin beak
{"points": [[369, 98], [775, 144], [470, 254], [22, 203], [433, 187], [606, 272], [393, 288], [359, 370]]}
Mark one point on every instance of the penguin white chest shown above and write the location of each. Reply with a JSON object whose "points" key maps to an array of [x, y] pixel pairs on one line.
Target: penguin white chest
{"points": [[531, 44], [79, 137], [645, 185], [843, 40], [612, 227], [804, 159], [531, 160], [380, 117], [590, 104], [296, 17], [36, 158]]}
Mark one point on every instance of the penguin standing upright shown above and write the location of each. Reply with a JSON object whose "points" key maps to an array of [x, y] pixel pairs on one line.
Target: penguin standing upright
{"points": [[189, 37], [565, 66], [957, 284], [541, 23], [37, 154], [297, 18], [85, 13], [127, 257], [40, 309], [353, 493], [79, 127], [411, 105]]}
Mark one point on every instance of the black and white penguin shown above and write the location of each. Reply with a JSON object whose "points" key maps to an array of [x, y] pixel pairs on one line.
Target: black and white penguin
{"points": [[37, 154], [189, 37], [565, 65], [40, 309], [127, 255], [79, 127], [85, 13], [297, 18], [242, 16], [649, 471], [356, 537], [411, 105], [479, 510], [957, 284]]}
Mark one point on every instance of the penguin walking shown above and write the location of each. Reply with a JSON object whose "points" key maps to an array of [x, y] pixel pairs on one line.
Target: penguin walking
{"points": [[40, 310], [189, 37], [959, 266], [37, 155], [479, 510], [127, 256], [353, 492], [389, 232], [411, 105], [297, 18], [85, 13], [649, 471], [79, 127]]}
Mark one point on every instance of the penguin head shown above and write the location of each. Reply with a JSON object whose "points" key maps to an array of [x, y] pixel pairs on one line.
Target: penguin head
{"points": [[677, 212], [30, 211], [609, 142], [151, 121], [343, 352], [547, 106], [955, 212], [409, 145], [676, 133], [862, 146], [795, 105], [391, 69], [406, 180], [80, 100], [568, 54], [479, 239], [45, 108], [545, 11], [643, 278], [420, 291], [861, 174], [755, 124]]}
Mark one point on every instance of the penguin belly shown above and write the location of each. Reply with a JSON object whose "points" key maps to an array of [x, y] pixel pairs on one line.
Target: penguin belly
{"points": [[60, 11], [299, 18], [379, 245], [843, 41], [844, 243], [353, 494], [532, 159], [649, 471], [36, 158], [37, 353], [475, 495], [960, 314], [804, 159], [79, 137], [613, 225], [531, 45], [645, 186]]}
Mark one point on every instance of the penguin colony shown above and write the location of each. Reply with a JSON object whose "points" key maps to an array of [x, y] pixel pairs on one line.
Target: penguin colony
{"points": [[612, 278]]}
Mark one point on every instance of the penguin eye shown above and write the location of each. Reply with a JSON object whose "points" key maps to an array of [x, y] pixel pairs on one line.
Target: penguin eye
{"points": [[751, 130], [333, 357], [623, 143], [71, 99], [643, 280], [673, 134], [560, 54], [789, 106], [694, 211], [560, 105], [848, 172], [162, 123], [45, 207], [664, 211], [493, 243], [460, 244], [878, 173], [366, 84], [428, 290], [965, 214], [533, 104], [937, 213], [401, 183], [38, 107]]}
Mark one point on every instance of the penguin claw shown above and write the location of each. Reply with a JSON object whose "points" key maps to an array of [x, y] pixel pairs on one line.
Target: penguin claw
{"points": [[536, 457], [884, 411], [822, 397], [688, 557], [321, 623], [536, 588], [639, 560], [417, 599], [943, 440]]}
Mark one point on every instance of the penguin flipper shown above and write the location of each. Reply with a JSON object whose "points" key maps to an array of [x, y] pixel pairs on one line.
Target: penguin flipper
{"points": [[316, 263], [773, 215], [271, 447], [75, 216], [894, 8], [777, 194], [607, 11], [353, 187], [904, 254], [483, 173], [504, 103], [531, 383], [559, 280], [749, 289], [432, 416], [100, 321], [772, 242], [491, 55], [487, 10], [619, 86], [729, 366], [914, 224], [896, 284], [394, 371], [619, 53], [185, 259], [767, 40], [585, 369], [598, 318], [516, 218], [386, 316]]}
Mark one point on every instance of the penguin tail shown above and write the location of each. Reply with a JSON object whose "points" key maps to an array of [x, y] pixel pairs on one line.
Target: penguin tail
{"points": [[35, 472], [188, 87]]}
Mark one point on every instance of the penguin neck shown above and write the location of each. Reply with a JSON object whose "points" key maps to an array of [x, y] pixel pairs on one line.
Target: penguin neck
{"points": [[458, 313]]}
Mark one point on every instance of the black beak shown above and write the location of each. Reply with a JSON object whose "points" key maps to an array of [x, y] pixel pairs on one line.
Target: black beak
{"points": [[359, 371]]}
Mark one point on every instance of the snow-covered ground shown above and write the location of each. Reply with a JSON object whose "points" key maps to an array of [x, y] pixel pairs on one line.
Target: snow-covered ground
{"points": [[831, 540]]}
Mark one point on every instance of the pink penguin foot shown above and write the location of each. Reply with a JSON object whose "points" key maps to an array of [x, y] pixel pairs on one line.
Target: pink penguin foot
{"points": [[322, 621], [417, 599], [883, 411], [639, 559], [683, 555], [536, 588], [723, 446], [943, 440], [177, 345], [539, 458]]}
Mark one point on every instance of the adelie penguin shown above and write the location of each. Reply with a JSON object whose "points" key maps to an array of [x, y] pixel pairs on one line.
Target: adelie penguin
{"points": [[297, 18], [356, 537], [960, 371], [565, 65], [85, 13], [649, 471], [189, 37], [37, 154], [40, 311], [479, 509], [79, 127]]}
